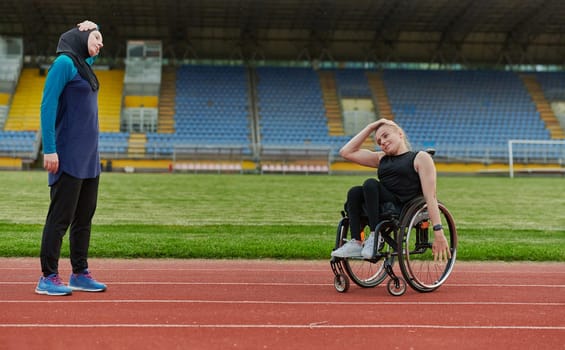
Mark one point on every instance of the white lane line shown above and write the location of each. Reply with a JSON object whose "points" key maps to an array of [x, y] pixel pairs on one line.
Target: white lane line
{"points": [[319, 325], [286, 284], [292, 269], [275, 302]]}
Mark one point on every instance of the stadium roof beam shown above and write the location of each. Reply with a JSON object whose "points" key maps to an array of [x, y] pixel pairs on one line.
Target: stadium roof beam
{"points": [[449, 48], [385, 35], [515, 47], [480, 31]]}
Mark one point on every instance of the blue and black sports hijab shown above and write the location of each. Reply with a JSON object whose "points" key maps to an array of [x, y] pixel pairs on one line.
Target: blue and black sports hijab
{"points": [[74, 43]]}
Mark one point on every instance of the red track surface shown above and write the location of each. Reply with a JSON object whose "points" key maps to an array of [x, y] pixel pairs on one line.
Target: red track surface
{"points": [[225, 304]]}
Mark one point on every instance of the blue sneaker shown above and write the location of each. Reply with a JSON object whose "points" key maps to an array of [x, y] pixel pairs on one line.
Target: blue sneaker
{"points": [[52, 285], [85, 282]]}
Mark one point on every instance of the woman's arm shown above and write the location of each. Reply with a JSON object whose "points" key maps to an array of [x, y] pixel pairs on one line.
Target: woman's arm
{"points": [[59, 74], [352, 150], [425, 167]]}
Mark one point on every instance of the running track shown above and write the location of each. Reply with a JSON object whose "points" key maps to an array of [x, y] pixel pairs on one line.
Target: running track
{"points": [[225, 304]]}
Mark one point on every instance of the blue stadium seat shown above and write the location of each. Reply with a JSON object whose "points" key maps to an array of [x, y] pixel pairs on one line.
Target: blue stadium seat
{"points": [[467, 113], [291, 107]]}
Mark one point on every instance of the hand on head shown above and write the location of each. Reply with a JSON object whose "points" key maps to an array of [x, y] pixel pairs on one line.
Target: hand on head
{"points": [[87, 25]]}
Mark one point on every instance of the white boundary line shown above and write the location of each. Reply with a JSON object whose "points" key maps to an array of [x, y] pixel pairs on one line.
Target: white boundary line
{"points": [[285, 284], [289, 284], [280, 326], [274, 302], [285, 268]]}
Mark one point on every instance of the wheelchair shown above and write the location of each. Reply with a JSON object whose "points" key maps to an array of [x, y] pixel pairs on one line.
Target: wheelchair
{"points": [[407, 235]]}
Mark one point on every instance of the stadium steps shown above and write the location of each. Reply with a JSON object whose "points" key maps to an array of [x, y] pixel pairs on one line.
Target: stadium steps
{"points": [[110, 99], [135, 101], [331, 103], [4, 106], [543, 106], [377, 86], [25, 110], [167, 101], [136, 145], [4, 99]]}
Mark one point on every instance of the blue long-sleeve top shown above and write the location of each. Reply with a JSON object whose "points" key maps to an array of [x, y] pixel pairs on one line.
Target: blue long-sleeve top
{"points": [[69, 120]]}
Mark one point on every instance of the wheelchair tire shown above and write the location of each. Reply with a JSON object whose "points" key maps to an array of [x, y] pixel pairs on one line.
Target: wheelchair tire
{"points": [[414, 239]]}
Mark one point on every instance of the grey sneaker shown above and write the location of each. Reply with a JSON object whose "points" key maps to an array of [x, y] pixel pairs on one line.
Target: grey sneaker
{"points": [[369, 245], [350, 249]]}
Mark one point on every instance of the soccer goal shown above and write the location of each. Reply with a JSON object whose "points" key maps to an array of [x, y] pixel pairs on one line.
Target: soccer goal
{"points": [[531, 153]]}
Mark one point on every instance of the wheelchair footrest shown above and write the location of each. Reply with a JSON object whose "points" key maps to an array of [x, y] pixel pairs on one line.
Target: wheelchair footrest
{"points": [[336, 266], [390, 272]]}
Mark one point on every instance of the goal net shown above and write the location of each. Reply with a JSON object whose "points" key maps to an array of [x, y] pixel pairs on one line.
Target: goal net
{"points": [[536, 156]]}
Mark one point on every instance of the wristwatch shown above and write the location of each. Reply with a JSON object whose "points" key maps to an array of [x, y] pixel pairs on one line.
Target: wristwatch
{"points": [[438, 227]]}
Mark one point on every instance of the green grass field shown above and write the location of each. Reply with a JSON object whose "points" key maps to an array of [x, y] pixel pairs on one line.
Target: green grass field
{"points": [[277, 216]]}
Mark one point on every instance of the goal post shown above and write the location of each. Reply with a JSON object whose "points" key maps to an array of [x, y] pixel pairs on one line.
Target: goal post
{"points": [[535, 151]]}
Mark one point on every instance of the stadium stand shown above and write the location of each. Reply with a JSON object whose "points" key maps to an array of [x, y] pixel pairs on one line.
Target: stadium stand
{"points": [[552, 84], [24, 111], [113, 144], [452, 111], [17, 144], [167, 101], [542, 105], [292, 123], [291, 107], [465, 115], [352, 83], [331, 103], [110, 99], [4, 105], [211, 118]]}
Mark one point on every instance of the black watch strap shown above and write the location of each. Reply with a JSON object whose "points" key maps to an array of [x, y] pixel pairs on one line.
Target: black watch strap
{"points": [[438, 227]]}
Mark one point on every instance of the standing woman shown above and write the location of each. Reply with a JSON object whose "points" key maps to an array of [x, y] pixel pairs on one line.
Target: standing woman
{"points": [[69, 129]]}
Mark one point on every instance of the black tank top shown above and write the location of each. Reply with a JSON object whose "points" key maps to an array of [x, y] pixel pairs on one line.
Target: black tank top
{"points": [[397, 175]]}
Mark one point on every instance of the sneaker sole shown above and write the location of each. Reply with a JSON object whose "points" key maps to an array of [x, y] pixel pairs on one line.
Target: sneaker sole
{"points": [[80, 289], [347, 256], [45, 292]]}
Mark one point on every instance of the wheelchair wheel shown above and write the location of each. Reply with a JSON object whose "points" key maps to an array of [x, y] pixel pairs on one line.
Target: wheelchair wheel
{"points": [[341, 283], [365, 273], [396, 287], [415, 239]]}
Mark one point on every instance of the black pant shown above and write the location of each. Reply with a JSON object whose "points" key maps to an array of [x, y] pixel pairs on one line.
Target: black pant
{"points": [[366, 200], [73, 203]]}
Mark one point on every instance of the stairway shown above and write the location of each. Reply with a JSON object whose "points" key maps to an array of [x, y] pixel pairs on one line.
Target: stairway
{"points": [[25, 109], [384, 110], [543, 106], [331, 103], [110, 99], [136, 145], [167, 101]]}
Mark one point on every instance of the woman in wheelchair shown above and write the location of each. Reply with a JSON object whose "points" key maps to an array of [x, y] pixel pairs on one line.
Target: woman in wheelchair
{"points": [[402, 176]]}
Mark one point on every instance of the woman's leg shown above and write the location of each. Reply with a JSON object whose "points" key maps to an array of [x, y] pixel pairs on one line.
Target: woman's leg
{"points": [[79, 236], [375, 194], [354, 207], [64, 197]]}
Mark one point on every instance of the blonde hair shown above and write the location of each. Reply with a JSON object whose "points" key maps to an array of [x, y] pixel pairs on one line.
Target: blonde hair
{"points": [[398, 128]]}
